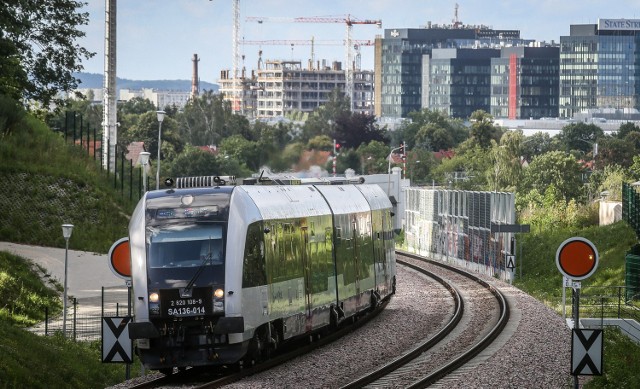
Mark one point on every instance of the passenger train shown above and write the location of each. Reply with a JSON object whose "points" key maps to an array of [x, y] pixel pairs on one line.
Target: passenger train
{"points": [[227, 273]]}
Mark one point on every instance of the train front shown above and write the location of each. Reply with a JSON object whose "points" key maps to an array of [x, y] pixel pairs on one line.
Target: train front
{"points": [[178, 243]]}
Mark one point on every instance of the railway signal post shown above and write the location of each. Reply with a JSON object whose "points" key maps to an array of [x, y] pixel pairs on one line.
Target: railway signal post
{"points": [[577, 259]]}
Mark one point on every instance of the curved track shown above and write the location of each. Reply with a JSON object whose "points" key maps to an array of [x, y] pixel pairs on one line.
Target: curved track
{"points": [[203, 378], [466, 332], [402, 371]]}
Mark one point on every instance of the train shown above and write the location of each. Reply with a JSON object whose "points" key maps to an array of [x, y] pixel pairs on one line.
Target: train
{"points": [[225, 273]]}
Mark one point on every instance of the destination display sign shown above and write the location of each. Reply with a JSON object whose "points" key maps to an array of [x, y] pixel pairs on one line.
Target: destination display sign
{"points": [[618, 24]]}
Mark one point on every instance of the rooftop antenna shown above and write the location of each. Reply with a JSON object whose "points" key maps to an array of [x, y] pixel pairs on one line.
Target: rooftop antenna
{"points": [[456, 20]]}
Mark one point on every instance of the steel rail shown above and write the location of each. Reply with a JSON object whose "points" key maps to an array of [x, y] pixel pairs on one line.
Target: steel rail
{"points": [[456, 363]]}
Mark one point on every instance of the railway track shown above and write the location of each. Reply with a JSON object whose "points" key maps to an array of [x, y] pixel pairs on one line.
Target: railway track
{"points": [[466, 344], [203, 378], [478, 315]]}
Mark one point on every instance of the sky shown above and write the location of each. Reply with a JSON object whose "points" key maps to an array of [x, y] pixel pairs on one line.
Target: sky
{"points": [[156, 39]]}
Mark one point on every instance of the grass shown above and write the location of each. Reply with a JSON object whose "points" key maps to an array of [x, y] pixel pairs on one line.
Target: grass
{"points": [[23, 295], [542, 279], [31, 361], [48, 182]]}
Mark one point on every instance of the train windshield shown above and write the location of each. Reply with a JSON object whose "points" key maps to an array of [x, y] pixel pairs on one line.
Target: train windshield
{"points": [[185, 245]]}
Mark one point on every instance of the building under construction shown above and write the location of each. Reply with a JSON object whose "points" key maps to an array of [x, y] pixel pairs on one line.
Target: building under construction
{"points": [[282, 88]]}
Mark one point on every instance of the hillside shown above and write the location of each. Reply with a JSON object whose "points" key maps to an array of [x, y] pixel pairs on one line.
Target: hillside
{"points": [[94, 80], [47, 183]]}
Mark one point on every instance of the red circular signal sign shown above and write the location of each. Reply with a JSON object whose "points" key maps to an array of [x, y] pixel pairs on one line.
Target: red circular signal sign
{"points": [[120, 259], [577, 258]]}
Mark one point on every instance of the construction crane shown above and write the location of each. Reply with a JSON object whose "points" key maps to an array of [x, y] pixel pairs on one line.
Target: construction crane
{"points": [[357, 43], [348, 20]]}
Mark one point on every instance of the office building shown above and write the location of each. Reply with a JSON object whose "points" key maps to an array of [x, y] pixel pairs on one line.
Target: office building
{"points": [[400, 68], [459, 80], [599, 64], [525, 83]]}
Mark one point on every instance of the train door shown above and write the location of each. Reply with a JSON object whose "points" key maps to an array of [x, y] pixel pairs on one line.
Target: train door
{"points": [[356, 256], [306, 264]]}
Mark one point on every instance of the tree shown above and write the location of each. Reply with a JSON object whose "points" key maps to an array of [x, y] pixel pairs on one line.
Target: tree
{"points": [[536, 144], [195, 162], [324, 119], [483, 130], [507, 167], [354, 129], [614, 151], [247, 152], [271, 140], [204, 119], [146, 130], [320, 143], [420, 165], [467, 169], [610, 182], [373, 158], [38, 53], [579, 137], [136, 106], [627, 128], [557, 169], [433, 130]]}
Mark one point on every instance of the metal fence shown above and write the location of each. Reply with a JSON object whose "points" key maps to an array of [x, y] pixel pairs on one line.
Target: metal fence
{"points": [[455, 226], [609, 302], [84, 316], [125, 178], [602, 306]]}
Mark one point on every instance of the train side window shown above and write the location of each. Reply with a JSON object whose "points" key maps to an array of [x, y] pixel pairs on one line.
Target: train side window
{"points": [[254, 269]]}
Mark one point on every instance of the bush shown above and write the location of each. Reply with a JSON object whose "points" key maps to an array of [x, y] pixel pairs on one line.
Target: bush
{"points": [[11, 115]]}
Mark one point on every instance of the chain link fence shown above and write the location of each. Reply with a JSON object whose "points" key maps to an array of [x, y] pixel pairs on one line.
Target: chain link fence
{"points": [[84, 315]]}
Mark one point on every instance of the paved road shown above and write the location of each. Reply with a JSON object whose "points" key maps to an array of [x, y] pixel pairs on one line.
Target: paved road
{"points": [[86, 272]]}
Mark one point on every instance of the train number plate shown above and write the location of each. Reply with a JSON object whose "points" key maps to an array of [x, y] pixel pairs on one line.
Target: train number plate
{"points": [[197, 305]]}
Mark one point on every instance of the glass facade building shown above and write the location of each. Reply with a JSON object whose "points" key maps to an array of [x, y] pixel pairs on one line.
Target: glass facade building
{"points": [[525, 83], [399, 62], [460, 80], [600, 66]]}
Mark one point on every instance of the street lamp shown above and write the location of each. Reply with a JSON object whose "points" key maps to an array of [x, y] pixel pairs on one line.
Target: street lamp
{"points": [[413, 168], [160, 119], [389, 170], [67, 229], [144, 160]]}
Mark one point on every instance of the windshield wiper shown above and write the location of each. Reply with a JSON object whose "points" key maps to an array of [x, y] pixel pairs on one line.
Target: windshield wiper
{"points": [[205, 261]]}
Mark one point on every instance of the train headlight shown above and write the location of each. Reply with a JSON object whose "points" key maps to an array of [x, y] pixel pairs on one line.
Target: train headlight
{"points": [[218, 301], [154, 303]]}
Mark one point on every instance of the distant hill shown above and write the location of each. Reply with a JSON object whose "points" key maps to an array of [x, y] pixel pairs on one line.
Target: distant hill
{"points": [[94, 80]]}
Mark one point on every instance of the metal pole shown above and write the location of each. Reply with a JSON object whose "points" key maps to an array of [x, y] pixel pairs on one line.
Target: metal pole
{"points": [[564, 298], [128, 372], [75, 317], [64, 298], [576, 324], [159, 144], [144, 179]]}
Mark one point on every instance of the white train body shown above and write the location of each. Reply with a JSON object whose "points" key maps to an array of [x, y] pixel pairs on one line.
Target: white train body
{"points": [[222, 274]]}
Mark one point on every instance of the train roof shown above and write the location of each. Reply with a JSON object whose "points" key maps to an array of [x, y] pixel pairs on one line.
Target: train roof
{"points": [[376, 197], [344, 199], [286, 201]]}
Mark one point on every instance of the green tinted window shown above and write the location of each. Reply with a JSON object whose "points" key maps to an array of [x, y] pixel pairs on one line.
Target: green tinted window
{"points": [[253, 273]]}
